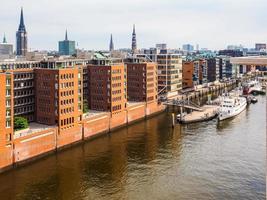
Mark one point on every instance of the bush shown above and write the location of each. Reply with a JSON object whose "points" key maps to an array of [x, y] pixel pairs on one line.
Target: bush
{"points": [[85, 106], [20, 123]]}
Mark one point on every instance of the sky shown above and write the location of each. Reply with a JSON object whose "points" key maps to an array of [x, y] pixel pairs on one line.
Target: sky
{"points": [[212, 24]]}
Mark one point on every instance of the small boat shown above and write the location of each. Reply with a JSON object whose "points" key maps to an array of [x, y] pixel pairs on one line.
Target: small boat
{"points": [[254, 100], [231, 106]]}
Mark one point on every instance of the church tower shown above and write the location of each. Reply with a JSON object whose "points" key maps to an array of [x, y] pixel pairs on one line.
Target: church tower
{"points": [[111, 45], [21, 37], [134, 45]]}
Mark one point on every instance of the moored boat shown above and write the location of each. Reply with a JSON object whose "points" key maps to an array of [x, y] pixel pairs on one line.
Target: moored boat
{"points": [[231, 106]]}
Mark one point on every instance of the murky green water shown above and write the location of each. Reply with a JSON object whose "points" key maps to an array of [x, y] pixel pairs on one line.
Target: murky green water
{"points": [[150, 160]]}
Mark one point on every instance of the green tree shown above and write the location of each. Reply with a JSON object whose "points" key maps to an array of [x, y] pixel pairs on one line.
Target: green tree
{"points": [[85, 106], [20, 123]]}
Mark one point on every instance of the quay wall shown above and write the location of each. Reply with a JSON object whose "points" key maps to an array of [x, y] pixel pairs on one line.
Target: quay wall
{"points": [[136, 113], [95, 125], [32, 146], [69, 136], [118, 120], [6, 158]]}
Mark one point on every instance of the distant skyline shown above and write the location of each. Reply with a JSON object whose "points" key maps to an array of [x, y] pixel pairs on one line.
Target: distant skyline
{"points": [[212, 24]]}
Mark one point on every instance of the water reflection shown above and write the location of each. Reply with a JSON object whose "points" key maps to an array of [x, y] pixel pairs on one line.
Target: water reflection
{"points": [[150, 160]]}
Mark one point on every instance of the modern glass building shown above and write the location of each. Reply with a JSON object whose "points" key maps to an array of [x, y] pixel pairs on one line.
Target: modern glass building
{"points": [[66, 47]]}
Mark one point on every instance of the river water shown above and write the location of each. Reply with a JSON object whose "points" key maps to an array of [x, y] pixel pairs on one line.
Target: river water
{"points": [[150, 160]]}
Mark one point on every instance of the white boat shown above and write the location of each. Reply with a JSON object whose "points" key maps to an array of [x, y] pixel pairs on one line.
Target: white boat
{"points": [[231, 106]]}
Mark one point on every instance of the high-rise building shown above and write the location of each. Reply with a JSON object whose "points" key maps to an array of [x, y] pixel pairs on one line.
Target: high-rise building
{"points": [[66, 47], [188, 47], [134, 44], [111, 45], [5, 48], [21, 37]]}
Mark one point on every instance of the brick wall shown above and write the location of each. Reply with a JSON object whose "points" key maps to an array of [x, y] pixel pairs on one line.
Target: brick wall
{"points": [[136, 112], [118, 119], [95, 125], [6, 158], [69, 136], [34, 144]]}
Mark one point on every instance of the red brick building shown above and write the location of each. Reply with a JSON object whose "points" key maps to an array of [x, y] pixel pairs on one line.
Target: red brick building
{"points": [[141, 80], [107, 85]]}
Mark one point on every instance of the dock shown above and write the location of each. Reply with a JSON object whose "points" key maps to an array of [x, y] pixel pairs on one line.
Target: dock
{"points": [[208, 112]]}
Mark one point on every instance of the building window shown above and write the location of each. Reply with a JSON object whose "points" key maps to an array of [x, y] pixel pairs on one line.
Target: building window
{"points": [[8, 103], [8, 137], [8, 124], [8, 113], [8, 82], [8, 93]]}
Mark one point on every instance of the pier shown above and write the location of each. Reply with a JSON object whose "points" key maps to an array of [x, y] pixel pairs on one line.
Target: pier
{"points": [[208, 112]]}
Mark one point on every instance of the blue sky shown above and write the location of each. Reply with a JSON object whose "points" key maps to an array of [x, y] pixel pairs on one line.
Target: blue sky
{"points": [[210, 23]]}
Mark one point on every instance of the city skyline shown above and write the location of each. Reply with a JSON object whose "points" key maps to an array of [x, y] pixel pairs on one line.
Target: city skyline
{"points": [[241, 25]]}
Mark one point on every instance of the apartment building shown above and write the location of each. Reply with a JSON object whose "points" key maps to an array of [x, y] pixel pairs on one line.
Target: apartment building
{"points": [[142, 83], [194, 73], [107, 85]]}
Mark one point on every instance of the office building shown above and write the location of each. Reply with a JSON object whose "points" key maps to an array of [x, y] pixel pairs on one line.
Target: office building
{"points": [[194, 73], [188, 47], [58, 95], [142, 85], [107, 85], [169, 73], [169, 70], [212, 70], [49, 94], [226, 69], [66, 47]]}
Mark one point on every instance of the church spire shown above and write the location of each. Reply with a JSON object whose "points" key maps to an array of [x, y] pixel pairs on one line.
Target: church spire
{"points": [[111, 45], [134, 29], [21, 37], [4, 39], [21, 24], [66, 35], [134, 45]]}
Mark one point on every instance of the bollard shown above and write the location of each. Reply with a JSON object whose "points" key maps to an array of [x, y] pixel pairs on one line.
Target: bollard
{"points": [[173, 120]]}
